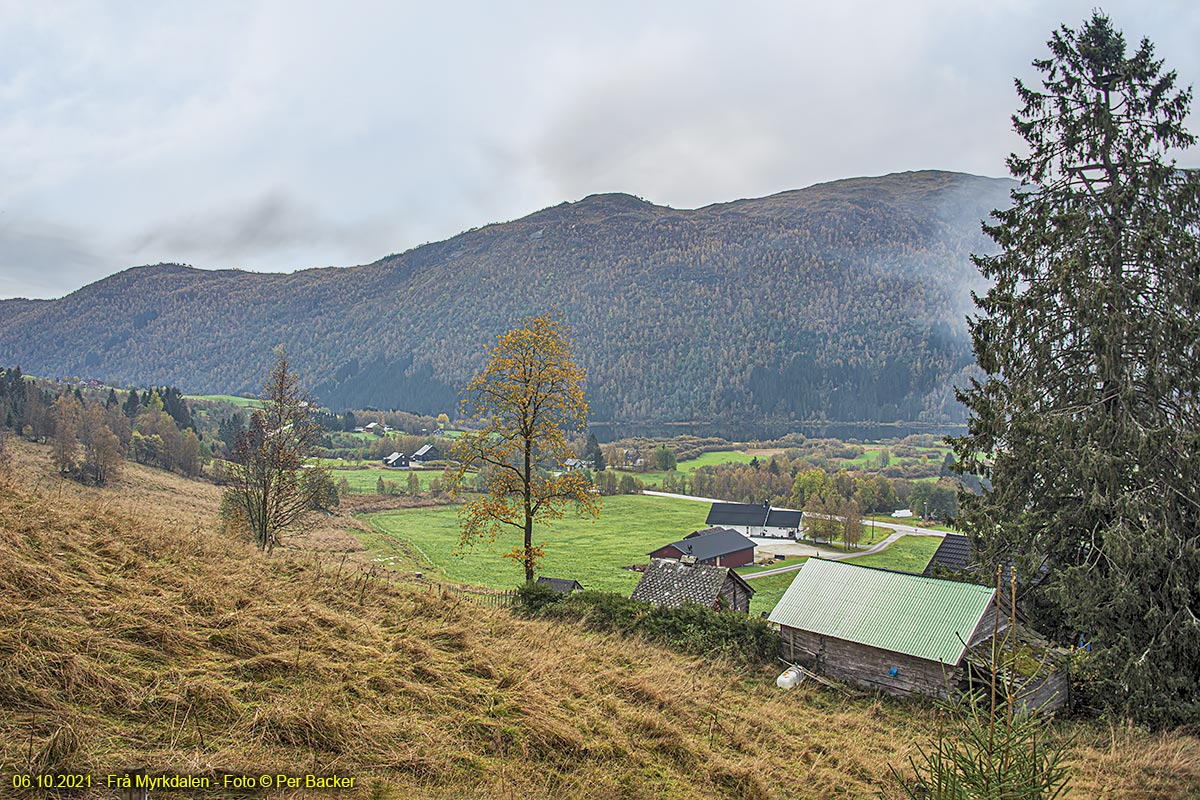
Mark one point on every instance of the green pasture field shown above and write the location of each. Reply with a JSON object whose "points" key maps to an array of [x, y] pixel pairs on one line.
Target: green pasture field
{"points": [[750, 569], [911, 521], [871, 452], [907, 554], [227, 398], [703, 460], [365, 481], [768, 590], [592, 552]]}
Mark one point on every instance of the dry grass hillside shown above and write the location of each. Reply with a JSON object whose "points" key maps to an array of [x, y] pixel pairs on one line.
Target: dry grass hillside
{"points": [[134, 634]]}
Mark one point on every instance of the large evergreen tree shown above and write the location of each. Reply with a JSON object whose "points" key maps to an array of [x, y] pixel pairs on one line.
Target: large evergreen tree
{"points": [[1086, 421]]}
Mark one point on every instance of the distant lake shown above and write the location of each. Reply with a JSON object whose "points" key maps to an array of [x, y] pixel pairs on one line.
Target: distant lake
{"points": [[736, 431]]}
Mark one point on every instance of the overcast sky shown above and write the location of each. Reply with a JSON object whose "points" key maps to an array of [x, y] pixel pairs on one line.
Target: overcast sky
{"points": [[286, 135]]}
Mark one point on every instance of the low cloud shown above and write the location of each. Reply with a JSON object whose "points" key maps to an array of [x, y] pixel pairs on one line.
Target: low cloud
{"points": [[41, 259], [258, 233]]}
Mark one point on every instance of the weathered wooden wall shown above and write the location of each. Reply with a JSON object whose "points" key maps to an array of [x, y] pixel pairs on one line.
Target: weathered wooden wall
{"points": [[736, 595], [869, 666]]}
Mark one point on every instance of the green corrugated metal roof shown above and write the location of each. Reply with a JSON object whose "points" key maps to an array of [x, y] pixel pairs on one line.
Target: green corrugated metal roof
{"points": [[923, 617]]}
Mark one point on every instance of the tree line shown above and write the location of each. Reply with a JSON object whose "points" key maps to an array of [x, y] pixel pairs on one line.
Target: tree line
{"points": [[90, 432]]}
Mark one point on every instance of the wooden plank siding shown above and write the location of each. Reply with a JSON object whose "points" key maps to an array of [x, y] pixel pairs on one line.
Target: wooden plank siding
{"points": [[735, 594], [869, 667]]}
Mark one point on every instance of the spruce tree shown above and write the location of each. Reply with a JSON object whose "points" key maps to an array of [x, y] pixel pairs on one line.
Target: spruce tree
{"points": [[133, 404], [1086, 421]]}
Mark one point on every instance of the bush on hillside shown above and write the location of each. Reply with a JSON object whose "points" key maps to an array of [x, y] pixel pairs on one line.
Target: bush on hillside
{"points": [[690, 629]]}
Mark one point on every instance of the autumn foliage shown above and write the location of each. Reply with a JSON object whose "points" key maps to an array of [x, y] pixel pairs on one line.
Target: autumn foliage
{"points": [[527, 399]]}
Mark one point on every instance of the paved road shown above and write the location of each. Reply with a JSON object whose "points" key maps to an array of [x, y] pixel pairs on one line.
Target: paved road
{"points": [[832, 555]]}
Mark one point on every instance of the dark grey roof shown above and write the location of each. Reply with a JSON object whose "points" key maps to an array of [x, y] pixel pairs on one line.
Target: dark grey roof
{"points": [[736, 514], [670, 584], [784, 518], [719, 543], [752, 515], [953, 553], [704, 532], [563, 585]]}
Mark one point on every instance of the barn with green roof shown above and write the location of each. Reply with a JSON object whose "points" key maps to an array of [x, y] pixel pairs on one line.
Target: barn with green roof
{"points": [[900, 633]]}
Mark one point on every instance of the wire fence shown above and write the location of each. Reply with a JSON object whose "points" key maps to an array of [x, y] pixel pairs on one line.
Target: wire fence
{"points": [[496, 598]]}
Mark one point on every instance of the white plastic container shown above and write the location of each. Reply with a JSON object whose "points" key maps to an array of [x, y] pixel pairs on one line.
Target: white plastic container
{"points": [[790, 678]]}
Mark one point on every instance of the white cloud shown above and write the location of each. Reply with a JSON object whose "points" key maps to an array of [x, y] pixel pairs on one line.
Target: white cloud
{"points": [[282, 135]]}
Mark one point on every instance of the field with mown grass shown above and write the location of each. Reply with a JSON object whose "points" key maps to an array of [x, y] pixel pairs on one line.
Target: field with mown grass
{"points": [[592, 551], [365, 479], [236, 400], [136, 633], [907, 554], [710, 458]]}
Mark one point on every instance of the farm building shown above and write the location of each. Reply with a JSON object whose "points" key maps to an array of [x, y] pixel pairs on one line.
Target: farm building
{"points": [[670, 584], [572, 464], [396, 461], [756, 520], [954, 554], [721, 547], [900, 633], [562, 585], [428, 452]]}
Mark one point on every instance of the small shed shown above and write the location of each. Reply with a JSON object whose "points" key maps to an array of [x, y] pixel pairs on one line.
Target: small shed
{"points": [[670, 584], [562, 585], [722, 547], [428, 452], [904, 634], [396, 461]]}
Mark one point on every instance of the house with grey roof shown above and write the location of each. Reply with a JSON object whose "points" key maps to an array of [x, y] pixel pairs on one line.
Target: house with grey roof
{"points": [[723, 547], [756, 520], [427, 452], [670, 584], [396, 461]]}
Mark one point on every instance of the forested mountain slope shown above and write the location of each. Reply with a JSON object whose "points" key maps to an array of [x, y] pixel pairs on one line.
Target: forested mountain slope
{"points": [[842, 301]]}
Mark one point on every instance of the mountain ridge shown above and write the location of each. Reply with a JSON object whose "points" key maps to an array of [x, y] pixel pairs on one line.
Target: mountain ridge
{"points": [[842, 301]]}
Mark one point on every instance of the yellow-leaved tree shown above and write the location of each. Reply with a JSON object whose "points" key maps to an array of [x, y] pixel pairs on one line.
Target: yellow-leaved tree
{"points": [[526, 401]]}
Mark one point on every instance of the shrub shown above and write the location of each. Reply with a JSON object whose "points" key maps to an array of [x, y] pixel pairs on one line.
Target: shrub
{"points": [[690, 629]]}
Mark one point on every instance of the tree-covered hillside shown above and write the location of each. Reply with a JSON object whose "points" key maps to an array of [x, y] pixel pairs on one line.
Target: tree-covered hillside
{"points": [[843, 301]]}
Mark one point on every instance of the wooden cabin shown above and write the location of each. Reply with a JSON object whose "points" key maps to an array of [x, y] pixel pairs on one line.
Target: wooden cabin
{"points": [[670, 584], [900, 633], [396, 461]]}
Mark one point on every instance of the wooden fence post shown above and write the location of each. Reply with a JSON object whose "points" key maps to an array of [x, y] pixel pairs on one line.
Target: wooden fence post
{"points": [[133, 792]]}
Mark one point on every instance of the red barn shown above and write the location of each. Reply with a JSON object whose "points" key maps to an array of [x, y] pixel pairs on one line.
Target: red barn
{"points": [[720, 547]]}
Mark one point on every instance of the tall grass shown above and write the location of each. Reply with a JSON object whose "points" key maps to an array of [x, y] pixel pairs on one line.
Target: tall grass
{"points": [[133, 635]]}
